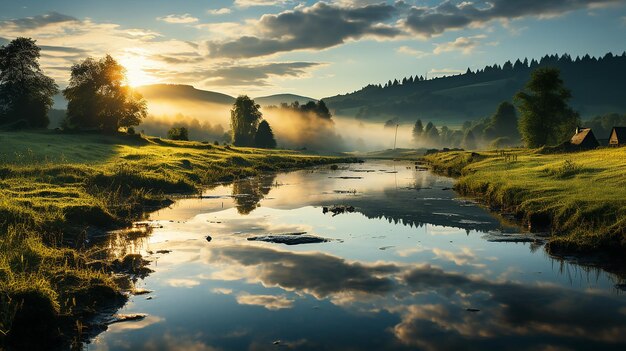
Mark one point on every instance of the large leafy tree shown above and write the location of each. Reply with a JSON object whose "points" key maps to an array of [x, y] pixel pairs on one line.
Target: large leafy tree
{"points": [[264, 137], [99, 98], [244, 120], [503, 123], [546, 118], [25, 91]]}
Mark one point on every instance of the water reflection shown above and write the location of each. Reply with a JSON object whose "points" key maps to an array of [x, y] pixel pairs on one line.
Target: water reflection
{"points": [[248, 193], [410, 270]]}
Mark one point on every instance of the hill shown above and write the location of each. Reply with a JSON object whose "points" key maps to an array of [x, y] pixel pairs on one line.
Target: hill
{"points": [[275, 100], [595, 84], [183, 92]]}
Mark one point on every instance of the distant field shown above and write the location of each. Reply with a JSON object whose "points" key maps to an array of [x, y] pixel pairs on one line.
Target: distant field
{"points": [[580, 196]]}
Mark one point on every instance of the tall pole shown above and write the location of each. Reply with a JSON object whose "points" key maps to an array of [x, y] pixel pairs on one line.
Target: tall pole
{"points": [[396, 137]]}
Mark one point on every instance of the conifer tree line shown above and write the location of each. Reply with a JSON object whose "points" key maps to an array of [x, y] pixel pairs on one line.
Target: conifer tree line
{"points": [[517, 66]]}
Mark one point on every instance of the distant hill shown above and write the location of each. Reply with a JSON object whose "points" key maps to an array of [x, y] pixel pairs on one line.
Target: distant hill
{"points": [[597, 86], [183, 92], [275, 100]]}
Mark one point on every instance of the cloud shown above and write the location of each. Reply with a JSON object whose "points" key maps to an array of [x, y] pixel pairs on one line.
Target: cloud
{"points": [[300, 29], [412, 52], [34, 22], [317, 274], [429, 21], [270, 302], [183, 283], [466, 45], [222, 11], [249, 3], [178, 19], [232, 75]]}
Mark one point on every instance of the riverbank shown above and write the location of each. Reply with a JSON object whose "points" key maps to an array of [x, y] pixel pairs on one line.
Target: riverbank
{"points": [[57, 189], [579, 197]]}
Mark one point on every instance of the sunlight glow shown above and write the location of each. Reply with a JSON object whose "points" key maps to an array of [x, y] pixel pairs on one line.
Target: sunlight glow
{"points": [[136, 64]]}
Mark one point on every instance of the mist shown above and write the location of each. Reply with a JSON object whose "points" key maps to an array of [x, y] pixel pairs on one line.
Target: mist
{"points": [[292, 129]]}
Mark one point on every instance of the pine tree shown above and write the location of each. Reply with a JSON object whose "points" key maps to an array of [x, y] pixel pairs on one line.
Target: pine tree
{"points": [[25, 91], [418, 130], [264, 137]]}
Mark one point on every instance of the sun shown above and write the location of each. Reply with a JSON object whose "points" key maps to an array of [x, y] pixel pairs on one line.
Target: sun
{"points": [[136, 66]]}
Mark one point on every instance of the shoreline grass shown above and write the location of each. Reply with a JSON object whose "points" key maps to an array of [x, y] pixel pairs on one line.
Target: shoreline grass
{"points": [[54, 187], [579, 197]]}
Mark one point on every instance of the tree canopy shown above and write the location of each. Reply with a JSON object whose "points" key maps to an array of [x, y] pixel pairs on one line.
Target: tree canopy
{"points": [[178, 133], [25, 91], [504, 122], [99, 98], [264, 137], [244, 120], [418, 130], [318, 108], [546, 118]]}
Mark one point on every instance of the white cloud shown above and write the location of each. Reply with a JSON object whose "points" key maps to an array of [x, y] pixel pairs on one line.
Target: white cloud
{"points": [[249, 3], [183, 283], [270, 302], [178, 19], [222, 11], [412, 52], [466, 45]]}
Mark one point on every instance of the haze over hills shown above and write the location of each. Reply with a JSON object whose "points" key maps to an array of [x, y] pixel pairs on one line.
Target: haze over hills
{"points": [[596, 85], [275, 100], [183, 92]]}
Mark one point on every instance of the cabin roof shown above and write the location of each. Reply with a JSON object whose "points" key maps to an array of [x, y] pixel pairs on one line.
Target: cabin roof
{"points": [[620, 132], [583, 133]]}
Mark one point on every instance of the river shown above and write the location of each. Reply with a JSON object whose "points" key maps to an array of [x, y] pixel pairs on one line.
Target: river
{"points": [[401, 262]]}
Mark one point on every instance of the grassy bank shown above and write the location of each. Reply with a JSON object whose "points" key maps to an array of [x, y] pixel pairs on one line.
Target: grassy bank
{"points": [[580, 197], [56, 188]]}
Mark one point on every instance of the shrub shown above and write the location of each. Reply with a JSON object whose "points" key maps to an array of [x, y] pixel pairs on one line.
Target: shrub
{"points": [[178, 133]]}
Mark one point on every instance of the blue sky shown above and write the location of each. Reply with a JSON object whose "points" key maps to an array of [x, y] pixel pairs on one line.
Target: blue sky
{"points": [[311, 48]]}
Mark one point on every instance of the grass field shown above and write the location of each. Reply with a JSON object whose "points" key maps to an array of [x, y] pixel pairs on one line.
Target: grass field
{"points": [[580, 197], [55, 187]]}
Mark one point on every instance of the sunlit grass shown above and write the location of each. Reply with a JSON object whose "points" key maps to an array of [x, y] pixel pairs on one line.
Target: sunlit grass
{"points": [[582, 195]]}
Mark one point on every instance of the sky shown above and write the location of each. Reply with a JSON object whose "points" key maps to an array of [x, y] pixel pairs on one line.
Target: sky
{"points": [[310, 48]]}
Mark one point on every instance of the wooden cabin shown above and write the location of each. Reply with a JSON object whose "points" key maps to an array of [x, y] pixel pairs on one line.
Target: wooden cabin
{"points": [[618, 137], [584, 139]]}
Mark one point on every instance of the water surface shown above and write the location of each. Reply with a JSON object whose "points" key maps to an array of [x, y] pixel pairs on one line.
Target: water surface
{"points": [[414, 267]]}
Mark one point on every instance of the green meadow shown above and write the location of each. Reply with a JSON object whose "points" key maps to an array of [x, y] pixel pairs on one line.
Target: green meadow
{"points": [[58, 188], [579, 197]]}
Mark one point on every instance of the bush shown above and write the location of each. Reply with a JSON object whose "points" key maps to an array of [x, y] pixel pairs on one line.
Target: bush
{"points": [[178, 133]]}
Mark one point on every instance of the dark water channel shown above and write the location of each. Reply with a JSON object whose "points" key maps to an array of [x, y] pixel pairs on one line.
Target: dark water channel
{"points": [[413, 267]]}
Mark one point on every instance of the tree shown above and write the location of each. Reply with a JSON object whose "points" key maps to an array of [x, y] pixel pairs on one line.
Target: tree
{"points": [[503, 123], [98, 97], [322, 111], [178, 133], [431, 133], [469, 141], [545, 117], [418, 130], [244, 120], [264, 137], [25, 91]]}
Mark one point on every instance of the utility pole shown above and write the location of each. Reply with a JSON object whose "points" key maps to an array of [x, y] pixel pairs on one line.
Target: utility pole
{"points": [[395, 138]]}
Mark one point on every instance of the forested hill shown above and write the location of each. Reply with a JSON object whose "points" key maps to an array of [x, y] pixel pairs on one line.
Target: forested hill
{"points": [[597, 86]]}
